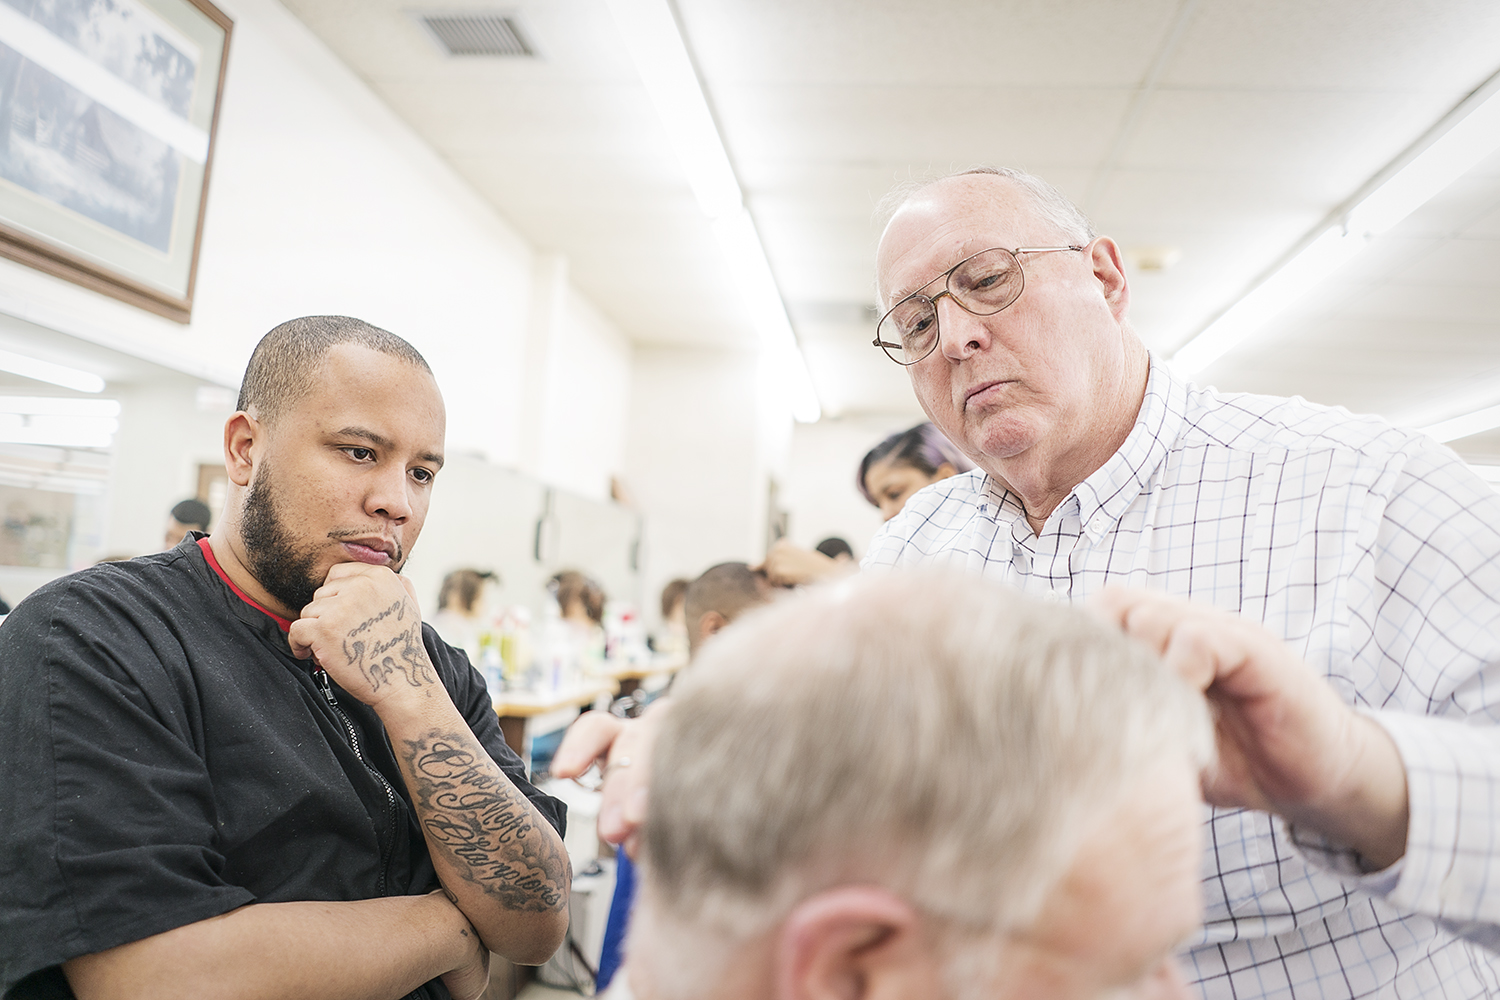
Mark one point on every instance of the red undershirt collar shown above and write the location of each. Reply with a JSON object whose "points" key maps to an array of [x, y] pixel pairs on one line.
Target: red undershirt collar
{"points": [[208, 553]]}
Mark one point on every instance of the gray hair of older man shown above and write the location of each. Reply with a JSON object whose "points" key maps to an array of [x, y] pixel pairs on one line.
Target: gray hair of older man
{"points": [[935, 733], [1064, 219]]}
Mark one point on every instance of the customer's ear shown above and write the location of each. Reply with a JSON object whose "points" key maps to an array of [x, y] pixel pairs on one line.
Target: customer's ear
{"points": [[709, 623], [857, 942]]}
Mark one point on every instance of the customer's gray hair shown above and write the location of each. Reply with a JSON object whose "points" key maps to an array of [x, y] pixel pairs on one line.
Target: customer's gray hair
{"points": [[936, 733], [1052, 206]]}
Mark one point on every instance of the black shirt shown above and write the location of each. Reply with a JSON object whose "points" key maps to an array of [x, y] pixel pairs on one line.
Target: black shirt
{"points": [[166, 759]]}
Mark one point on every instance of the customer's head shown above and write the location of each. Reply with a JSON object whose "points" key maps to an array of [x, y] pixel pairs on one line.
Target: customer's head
{"points": [[331, 456], [905, 462], [718, 597], [921, 785]]}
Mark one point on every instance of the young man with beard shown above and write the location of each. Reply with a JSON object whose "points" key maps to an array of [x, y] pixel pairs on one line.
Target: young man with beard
{"points": [[244, 767]]}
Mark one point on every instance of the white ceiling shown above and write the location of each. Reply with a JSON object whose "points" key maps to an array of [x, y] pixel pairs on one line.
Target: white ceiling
{"points": [[1224, 129]]}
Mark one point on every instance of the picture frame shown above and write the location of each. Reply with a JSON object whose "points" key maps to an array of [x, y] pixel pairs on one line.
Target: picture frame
{"points": [[108, 115]]}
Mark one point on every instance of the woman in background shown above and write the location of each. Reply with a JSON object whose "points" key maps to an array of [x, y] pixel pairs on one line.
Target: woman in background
{"points": [[905, 462], [888, 475], [579, 598], [460, 614]]}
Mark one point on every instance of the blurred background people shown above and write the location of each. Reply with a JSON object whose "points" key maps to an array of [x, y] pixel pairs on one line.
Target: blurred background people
{"points": [[462, 606], [671, 643], [718, 597], [905, 462], [836, 549], [189, 515], [710, 603], [579, 598]]}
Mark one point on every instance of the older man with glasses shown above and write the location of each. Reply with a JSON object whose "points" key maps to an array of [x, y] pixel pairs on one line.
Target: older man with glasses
{"points": [[1372, 551]]}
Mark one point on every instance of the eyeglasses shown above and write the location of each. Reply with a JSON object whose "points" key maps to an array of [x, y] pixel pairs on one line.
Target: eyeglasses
{"points": [[980, 285]]}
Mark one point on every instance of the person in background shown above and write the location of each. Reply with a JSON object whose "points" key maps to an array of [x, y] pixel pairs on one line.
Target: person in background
{"points": [[719, 596], [711, 602], [795, 849], [243, 767], [579, 598], [671, 643], [836, 549], [189, 515], [888, 475], [904, 463], [461, 607]]}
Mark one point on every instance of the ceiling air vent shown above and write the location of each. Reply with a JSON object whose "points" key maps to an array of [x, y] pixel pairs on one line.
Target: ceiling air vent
{"points": [[478, 34]]}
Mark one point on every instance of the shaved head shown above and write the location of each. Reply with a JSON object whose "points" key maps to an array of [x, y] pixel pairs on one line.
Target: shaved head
{"points": [[286, 362], [725, 591]]}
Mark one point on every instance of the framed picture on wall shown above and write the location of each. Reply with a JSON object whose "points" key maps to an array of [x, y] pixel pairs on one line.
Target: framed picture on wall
{"points": [[107, 117]]}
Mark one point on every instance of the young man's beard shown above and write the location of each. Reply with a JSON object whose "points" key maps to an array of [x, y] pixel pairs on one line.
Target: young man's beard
{"points": [[275, 562]]}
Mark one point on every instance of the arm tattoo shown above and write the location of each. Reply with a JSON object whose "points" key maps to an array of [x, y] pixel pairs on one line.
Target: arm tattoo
{"points": [[381, 662], [473, 814]]}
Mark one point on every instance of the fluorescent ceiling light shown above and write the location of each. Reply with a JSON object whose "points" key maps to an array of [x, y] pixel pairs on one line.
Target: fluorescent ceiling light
{"points": [[661, 58], [1454, 146], [742, 248], [1290, 282], [1477, 422], [46, 371], [1489, 473]]}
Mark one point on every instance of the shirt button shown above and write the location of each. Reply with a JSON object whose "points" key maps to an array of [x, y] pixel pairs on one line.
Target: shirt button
{"points": [[1097, 523]]}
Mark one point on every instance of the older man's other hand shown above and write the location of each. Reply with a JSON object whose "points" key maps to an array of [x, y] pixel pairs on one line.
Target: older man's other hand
{"points": [[622, 749], [1286, 742]]}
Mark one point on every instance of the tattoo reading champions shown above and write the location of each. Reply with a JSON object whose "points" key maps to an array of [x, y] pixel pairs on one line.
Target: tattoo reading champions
{"points": [[482, 821]]}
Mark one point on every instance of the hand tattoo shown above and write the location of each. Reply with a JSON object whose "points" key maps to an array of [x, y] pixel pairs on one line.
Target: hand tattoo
{"points": [[472, 812], [409, 659]]}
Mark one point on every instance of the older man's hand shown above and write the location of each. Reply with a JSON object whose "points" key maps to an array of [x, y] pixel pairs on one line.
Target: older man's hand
{"points": [[1286, 742], [622, 748]]}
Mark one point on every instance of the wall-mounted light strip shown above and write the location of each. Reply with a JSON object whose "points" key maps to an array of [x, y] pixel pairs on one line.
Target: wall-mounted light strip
{"points": [[661, 58], [1477, 422], [46, 371], [60, 421], [1489, 473], [1447, 151]]}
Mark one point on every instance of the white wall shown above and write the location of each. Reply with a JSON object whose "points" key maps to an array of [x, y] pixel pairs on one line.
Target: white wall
{"points": [[703, 442], [163, 437], [322, 201], [819, 490], [578, 425]]}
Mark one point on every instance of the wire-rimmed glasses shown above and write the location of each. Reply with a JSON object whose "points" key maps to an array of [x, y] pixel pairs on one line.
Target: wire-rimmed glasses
{"points": [[981, 285]]}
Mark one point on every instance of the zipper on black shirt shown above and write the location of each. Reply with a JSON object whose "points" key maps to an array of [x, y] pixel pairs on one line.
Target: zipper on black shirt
{"points": [[390, 793]]}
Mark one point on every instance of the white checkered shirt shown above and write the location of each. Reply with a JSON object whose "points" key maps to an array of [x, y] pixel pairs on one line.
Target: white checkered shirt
{"points": [[1376, 553]]}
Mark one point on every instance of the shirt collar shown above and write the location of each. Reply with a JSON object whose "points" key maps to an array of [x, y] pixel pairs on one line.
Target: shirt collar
{"points": [[208, 554], [1105, 495]]}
